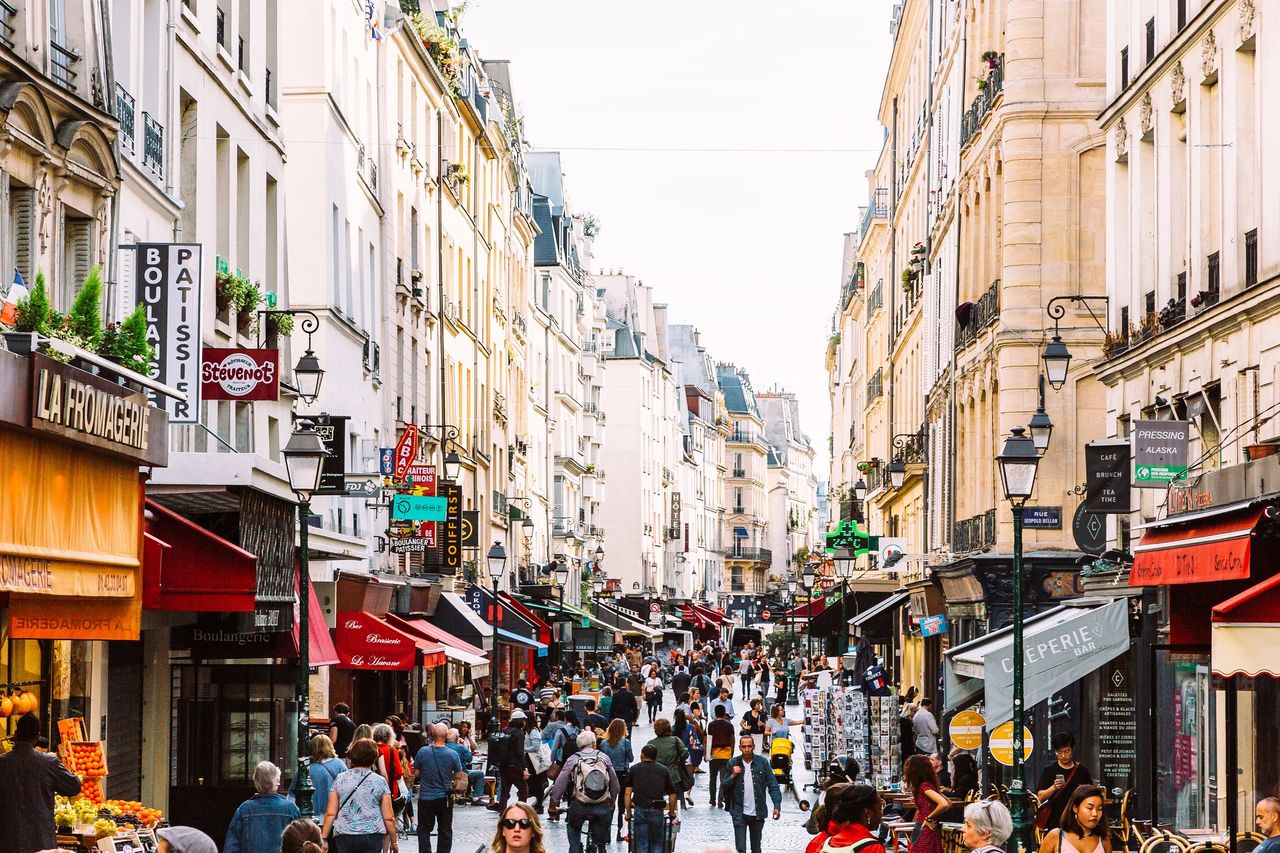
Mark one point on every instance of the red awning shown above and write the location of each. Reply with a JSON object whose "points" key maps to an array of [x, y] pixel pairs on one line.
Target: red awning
{"points": [[694, 616], [544, 630], [365, 641], [186, 567], [713, 616], [431, 633], [806, 611], [1259, 604], [320, 650], [1246, 632], [1214, 549]]}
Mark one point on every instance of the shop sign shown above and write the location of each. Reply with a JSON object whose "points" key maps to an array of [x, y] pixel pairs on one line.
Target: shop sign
{"points": [[451, 530], [268, 618], [932, 626], [471, 528], [1117, 728], [421, 478], [1001, 744], [364, 642], [965, 730], [410, 546], [1106, 468], [418, 508], [333, 434], [1089, 529], [1042, 517], [1159, 452], [386, 461], [88, 409], [406, 450], [167, 283], [46, 618], [237, 373], [675, 511], [41, 576]]}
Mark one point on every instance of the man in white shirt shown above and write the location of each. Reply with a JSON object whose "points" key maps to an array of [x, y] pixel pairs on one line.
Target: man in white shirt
{"points": [[925, 727]]}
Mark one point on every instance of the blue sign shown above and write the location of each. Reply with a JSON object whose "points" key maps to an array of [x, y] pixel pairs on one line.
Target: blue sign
{"points": [[387, 461], [932, 626], [419, 508], [1042, 517]]}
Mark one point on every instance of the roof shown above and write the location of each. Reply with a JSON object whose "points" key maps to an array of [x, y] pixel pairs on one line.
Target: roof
{"points": [[626, 343], [545, 250], [738, 396]]}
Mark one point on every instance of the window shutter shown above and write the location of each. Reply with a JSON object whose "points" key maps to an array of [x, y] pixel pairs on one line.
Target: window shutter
{"points": [[121, 300], [22, 214], [78, 255], [448, 138]]}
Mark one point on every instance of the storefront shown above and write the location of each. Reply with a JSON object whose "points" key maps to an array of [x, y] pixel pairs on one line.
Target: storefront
{"points": [[517, 636], [447, 690]]}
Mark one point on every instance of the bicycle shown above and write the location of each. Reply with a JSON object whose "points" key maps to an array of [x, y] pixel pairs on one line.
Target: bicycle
{"points": [[590, 844]]}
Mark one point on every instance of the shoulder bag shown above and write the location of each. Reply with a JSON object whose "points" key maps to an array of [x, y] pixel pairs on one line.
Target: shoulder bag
{"points": [[346, 800]]}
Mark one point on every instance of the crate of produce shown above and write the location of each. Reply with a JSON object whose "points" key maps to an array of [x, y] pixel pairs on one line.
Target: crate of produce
{"points": [[88, 758]]}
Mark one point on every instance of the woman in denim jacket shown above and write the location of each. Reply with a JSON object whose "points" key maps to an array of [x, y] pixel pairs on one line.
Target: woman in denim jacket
{"points": [[258, 824]]}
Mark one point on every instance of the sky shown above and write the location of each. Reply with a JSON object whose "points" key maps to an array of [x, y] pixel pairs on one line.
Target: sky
{"points": [[722, 144]]}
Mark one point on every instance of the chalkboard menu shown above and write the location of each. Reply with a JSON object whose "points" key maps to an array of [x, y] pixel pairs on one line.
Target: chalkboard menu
{"points": [[1117, 728]]}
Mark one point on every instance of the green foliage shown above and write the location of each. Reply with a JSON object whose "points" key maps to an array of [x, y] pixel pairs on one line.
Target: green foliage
{"points": [[281, 324], [440, 46], [590, 224], [128, 342], [84, 320], [238, 291], [34, 311]]}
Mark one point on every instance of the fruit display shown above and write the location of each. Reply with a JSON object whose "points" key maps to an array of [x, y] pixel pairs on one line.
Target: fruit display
{"points": [[90, 790], [18, 703], [104, 828], [88, 759], [132, 811]]}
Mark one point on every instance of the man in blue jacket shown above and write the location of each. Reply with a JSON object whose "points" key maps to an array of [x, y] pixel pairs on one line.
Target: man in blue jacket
{"points": [[746, 779]]}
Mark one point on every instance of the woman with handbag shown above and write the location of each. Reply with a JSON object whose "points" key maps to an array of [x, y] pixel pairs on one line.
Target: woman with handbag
{"points": [[538, 760], [358, 818], [653, 694], [1058, 781], [921, 780], [672, 754], [617, 746]]}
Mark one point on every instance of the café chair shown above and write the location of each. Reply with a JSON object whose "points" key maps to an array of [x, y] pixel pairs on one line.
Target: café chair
{"points": [[1247, 842], [1163, 841]]}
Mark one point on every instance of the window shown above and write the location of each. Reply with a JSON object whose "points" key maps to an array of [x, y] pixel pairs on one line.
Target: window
{"points": [[1182, 14], [1151, 40], [77, 256], [1215, 278], [1251, 258], [1124, 68]]}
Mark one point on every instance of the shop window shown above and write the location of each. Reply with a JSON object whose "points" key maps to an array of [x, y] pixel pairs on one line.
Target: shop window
{"points": [[1186, 741]]}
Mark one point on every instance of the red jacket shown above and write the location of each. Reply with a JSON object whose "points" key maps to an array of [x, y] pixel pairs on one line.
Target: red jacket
{"points": [[843, 835]]}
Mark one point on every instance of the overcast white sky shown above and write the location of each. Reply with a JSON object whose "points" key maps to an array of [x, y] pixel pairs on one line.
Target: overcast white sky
{"points": [[744, 244]]}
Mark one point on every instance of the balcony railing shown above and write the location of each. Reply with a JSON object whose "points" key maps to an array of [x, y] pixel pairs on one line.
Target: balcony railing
{"points": [[126, 110], [8, 14], [61, 60], [972, 534], [875, 301], [735, 552], [875, 385], [991, 88], [742, 436], [982, 313], [912, 448], [152, 145], [518, 320], [877, 207], [739, 473]]}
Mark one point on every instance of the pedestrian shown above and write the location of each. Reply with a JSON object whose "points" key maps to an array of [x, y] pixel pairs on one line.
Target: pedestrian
{"points": [[624, 706], [853, 815], [672, 754], [1267, 818], [606, 702], [617, 746], [1083, 826], [325, 766], [703, 685], [589, 782], [925, 728], [434, 765], [720, 735], [753, 723], [964, 776], [259, 822], [342, 729], [681, 681], [389, 766], [358, 817], [743, 789], [683, 732], [184, 839], [919, 778], [475, 776], [29, 780], [522, 697], [723, 701], [906, 731], [535, 750], [650, 786], [698, 722], [519, 831], [653, 693], [510, 761], [987, 826], [302, 836], [1059, 780], [777, 725], [595, 720]]}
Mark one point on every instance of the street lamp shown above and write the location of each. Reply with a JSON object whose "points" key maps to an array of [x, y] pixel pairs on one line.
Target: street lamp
{"points": [[560, 570], [307, 376], [1040, 426], [844, 568], [1018, 462], [808, 577], [497, 561], [860, 490], [897, 473], [1057, 358], [304, 457], [452, 466]]}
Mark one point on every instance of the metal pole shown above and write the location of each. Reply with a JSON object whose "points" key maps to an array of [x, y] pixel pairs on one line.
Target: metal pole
{"points": [[559, 642], [496, 724], [1017, 793], [844, 617], [303, 789]]}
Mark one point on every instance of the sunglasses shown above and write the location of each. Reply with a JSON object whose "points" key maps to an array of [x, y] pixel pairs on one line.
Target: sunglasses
{"points": [[513, 822]]}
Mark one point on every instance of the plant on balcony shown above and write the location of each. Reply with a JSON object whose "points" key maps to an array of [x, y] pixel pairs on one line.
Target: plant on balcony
{"points": [[1149, 326], [991, 57], [918, 249], [833, 343], [457, 172], [126, 343], [982, 82], [908, 276], [440, 46], [235, 290], [280, 324], [84, 320], [1114, 343], [590, 225], [34, 311]]}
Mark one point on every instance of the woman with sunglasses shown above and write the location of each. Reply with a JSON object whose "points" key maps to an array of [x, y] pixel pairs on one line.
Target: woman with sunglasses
{"points": [[1083, 824], [519, 831]]}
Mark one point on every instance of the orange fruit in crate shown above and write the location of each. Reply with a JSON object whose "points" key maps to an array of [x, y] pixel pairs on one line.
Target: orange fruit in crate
{"points": [[6, 706]]}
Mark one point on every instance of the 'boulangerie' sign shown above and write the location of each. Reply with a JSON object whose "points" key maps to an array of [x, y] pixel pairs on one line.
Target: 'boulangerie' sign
{"points": [[168, 284]]}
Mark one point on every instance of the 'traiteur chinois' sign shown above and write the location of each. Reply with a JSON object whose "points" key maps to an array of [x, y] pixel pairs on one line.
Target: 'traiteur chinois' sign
{"points": [[91, 410]]}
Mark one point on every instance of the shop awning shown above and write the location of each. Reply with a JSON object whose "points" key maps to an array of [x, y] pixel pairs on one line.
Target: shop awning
{"points": [[1060, 646], [832, 621], [807, 610], [320, 650], [877, 620], [455, 650], [695, 617], [365, 641], [1195, 549], [569, 613], [544, 630], [188, 568], [505, 636], [714, 617], [456, 616], [1246, 632], [625, 624]]}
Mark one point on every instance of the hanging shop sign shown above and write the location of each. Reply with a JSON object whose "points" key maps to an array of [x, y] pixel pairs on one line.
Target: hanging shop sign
{"points": [[933, 626], [451, 530], [237, 373], [675, 511], [966, 730], [1159, 452], [87, 409], [421, 478], [1106, 469], [418, 508], [411, 546], [333, 434], [167, 283], [386, 461], [406, 450], [1089, 529], [471, 528]]}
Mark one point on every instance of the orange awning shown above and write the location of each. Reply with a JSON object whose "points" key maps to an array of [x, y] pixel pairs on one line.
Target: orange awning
{"points": [[1246, 632], [1212, 549]]}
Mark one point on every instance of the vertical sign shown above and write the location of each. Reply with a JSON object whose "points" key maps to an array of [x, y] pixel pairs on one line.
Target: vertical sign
{"points": [[1106, 472], [406, 450], [1117, 728], [167, 283], [1159, 452], [451, 530], [675, 515], [333, 434]]}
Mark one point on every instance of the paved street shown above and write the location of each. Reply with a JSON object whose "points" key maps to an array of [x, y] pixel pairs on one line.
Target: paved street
{"points": [[702, 827]]}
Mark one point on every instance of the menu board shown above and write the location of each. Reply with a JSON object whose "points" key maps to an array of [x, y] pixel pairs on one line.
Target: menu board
{"points": [[1117, 728]]}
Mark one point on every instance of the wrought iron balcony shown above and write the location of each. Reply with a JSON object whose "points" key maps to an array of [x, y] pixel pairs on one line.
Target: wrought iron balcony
{"points": [[152, 145], [877, 208], [875, 385], [971, 121], [912, 447], [61, 62], [126, 111], [982, 314], [759, 555], [974, 533]]}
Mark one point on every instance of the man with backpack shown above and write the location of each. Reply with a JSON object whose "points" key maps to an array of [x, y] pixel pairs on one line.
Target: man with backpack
{"points": [[588, 780], [507, 753]]}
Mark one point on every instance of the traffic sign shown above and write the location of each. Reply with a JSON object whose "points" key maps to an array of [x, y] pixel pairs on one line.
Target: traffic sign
{"points": [[419, 508], [765, 614], [1001, 744], [654, 607], [966, 729]]}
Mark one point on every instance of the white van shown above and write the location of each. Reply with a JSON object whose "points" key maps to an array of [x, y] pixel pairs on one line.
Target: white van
{"points": [[679, 639]]}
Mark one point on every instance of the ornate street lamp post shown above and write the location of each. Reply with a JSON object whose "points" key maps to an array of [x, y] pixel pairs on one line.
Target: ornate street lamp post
{"points": [[497, 562], [808, 577], [1018, 462], [304, 457]]}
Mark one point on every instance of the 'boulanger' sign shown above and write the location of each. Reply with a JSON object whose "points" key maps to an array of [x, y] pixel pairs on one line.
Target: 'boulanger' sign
{"points": [[88, 409]]}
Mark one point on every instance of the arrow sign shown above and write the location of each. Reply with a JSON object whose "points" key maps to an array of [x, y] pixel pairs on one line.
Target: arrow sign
{"points": [[419, 508]]}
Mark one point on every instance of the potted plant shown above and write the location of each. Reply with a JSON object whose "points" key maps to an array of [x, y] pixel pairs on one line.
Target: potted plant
{"points": [[1114, 343], [991, 58], [982, 83], [1261, 450], [82, 325], [31, 321], [918, 249], [237, 292], [457, 173], [126, 344]]}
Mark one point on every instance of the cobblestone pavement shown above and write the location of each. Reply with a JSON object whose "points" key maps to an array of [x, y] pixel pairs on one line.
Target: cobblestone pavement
{"points": [[702, 828]]}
